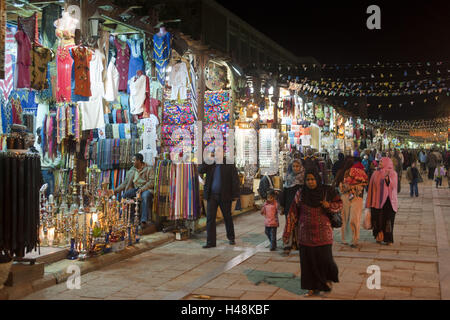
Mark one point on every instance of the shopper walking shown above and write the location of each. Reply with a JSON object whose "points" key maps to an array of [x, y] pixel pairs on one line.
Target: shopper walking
{"points": [[293, 181], [382, 200], [439, 174], [414, 177], [397, 162], [270, 213], [338, 164], [423, 160], [432, 162], [309, 215], [351, 181], [221, 187]]}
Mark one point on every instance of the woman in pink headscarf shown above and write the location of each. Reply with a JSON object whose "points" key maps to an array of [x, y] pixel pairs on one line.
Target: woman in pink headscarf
{"points": [[382, 200]]}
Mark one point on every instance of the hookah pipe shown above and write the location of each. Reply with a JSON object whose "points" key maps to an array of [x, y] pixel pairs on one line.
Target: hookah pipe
{"points": [[42, 205], [129, 229], [136, 221], [84, 240]]}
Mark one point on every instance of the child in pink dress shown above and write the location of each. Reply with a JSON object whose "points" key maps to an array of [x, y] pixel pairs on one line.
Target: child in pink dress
{"points": [[270, 212]]}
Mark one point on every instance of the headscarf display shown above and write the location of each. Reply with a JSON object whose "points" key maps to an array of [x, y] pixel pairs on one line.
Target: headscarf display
{"points": [[293, 179]]}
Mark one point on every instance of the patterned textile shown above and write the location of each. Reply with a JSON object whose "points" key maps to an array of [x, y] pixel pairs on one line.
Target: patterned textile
{"points": [[161, 54], [313, 224], [7, 82], [122, 63]]}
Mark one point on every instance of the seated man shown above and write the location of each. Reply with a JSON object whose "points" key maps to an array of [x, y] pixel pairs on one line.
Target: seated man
{"points": [[139, 183]]}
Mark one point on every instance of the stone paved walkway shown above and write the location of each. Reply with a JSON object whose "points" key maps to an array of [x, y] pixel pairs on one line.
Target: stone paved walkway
{"points": [[415, 267]]}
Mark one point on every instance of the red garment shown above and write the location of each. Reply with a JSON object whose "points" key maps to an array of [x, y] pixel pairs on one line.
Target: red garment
{"points": [[122, 63], [82, 57], [64, 64], [154, 105], [147, 104], [313, 224], [29, 25], [23, 60], [270, 213]]}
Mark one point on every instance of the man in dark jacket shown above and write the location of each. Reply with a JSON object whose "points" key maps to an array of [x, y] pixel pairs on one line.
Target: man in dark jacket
{"points": [[221, 187], [338, 164]]}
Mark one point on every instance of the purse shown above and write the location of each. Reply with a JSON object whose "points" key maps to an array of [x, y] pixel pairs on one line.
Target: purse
{"points": [[335, 218], [367, 224]]}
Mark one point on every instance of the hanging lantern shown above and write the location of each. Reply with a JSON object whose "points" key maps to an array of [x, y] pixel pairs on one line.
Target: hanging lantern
{"points": [[94, 22]]}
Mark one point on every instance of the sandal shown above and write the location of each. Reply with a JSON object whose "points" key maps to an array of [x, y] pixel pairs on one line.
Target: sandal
{"points": [[310, 293]]}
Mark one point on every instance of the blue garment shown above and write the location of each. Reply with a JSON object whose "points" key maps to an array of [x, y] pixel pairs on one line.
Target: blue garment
{"points": [[147, 200], [422, 157], [124, 101], [122, 131], [271, 233], [365, 163], [136, 60], [161, 54], [217, 180], [413, 189]]}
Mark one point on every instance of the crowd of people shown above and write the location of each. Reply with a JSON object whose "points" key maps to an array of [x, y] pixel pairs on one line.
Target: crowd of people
{"points": [[308, 200]]}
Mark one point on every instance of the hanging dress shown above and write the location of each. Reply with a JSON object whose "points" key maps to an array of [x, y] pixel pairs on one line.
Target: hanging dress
{"points": [[137, 94], [64, 73], [23, 59], [136, 59], [81, 83], [92, 111], [161, 54], [40, 58], [112, 82], [122, 63]]}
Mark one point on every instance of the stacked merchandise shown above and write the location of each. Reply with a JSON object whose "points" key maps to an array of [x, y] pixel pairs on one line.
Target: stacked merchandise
{"points": [[245, 141], [176, 116], [217, 113], [268, 151], [176, 191]]}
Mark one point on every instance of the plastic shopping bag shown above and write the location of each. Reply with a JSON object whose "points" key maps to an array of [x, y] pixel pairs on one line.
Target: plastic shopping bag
{"points": [[367, 224]]}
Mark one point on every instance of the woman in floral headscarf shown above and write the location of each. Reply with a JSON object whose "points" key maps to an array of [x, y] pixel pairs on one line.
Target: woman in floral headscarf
{"points": [[382, 200], [292, 182]]}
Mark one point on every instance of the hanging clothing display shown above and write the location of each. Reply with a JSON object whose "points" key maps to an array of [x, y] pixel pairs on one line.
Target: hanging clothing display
{"points": [[178, 80], [29, 25], [184, 192], [50, 14], [161, 54], [149, 137], [81, 83], [7, 84], [40, 57], [112, 82], [176, 192], [19, 203], [137, 94], [64, 70], [136, 59], [193, 86], [122, 63], [92, 110], [23, 59]]}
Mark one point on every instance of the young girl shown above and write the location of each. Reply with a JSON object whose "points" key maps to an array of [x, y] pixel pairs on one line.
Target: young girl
{"points": [[439, 173], [270, 212]]}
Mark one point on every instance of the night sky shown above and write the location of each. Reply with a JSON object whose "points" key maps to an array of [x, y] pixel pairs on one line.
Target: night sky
{"points": [[336, 32]]}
